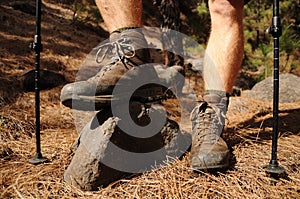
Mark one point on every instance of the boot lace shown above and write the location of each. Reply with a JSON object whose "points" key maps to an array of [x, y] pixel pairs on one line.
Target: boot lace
{"points": [[208, 123], [121, 50]]}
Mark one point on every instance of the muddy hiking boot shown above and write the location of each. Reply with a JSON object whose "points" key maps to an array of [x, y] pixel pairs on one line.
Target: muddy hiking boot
{"points": [[209, 151], [128, 57]]}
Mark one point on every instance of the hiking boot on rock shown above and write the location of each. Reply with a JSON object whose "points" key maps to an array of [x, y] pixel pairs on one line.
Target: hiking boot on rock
{"points": [[128, 57], [209, 151]]}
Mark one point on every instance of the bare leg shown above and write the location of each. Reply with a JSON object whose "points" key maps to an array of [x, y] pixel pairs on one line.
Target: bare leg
{"points": [[223, 58], [118, 14], [225, 47]]}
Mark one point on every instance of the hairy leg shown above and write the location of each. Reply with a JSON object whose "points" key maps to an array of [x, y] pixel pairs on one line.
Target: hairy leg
{"points": [[118, 14], [225, 47]]}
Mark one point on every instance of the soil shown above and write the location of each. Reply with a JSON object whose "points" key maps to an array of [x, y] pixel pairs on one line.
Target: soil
{"points": [[66, 44]]}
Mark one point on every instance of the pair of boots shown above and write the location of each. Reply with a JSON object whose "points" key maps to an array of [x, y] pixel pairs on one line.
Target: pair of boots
{"points": [[127, 64]]}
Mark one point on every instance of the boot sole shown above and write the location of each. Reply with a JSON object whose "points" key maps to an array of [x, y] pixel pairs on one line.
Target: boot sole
{"points": [[209, 168], [92, 103], [88, 103]]}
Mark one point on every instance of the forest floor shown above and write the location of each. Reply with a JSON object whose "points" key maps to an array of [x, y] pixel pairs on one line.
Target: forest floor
{"points": [[248, 130]]}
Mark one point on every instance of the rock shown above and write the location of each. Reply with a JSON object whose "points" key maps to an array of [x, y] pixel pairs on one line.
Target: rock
{"points": [[289, 89], [172, 77], [104, 153], [196, 64], [85, 168], [48, 79]]}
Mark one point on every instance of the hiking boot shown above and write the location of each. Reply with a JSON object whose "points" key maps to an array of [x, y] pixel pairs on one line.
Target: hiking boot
{"points": [[127, 54], [209, 151]]}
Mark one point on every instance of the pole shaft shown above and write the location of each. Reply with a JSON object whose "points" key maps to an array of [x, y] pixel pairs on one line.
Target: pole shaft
{"points": [[276, 8], [276, 32], [275, 101], [37, 48]]}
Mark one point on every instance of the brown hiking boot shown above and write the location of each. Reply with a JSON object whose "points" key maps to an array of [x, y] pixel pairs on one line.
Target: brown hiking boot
{"points": [[127, 50], [127, 54], [209, 151]]}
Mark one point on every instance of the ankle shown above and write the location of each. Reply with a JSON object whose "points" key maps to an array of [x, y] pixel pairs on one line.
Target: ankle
{"points": [[216, 97]]}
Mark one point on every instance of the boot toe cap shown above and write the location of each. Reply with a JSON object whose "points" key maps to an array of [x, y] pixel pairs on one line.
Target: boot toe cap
{"points": [[73, 90], [204, 161], [74, 95]]}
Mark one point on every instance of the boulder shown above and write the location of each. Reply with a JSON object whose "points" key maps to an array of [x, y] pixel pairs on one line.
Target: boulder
{"points": [[289, 89], [104, 152], [48, 79]]}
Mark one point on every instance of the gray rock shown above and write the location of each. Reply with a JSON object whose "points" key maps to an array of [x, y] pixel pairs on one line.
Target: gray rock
{"points": [[48, 79], [104, 153], [171, 77], [289, 89]]}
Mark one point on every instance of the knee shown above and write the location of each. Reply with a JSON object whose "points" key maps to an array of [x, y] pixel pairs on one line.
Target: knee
{"points": [[226, 8]]}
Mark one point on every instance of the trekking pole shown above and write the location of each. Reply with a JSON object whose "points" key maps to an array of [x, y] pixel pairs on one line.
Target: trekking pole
{"points": [[37, 47], [275, 30]]}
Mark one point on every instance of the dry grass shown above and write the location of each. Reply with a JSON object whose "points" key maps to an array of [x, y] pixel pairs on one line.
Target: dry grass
{"points": [[248, 131], [245, 179]]}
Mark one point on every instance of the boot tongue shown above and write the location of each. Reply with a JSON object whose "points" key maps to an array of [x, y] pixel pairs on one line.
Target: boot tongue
{"points": [[135, 38], [211, 138], [114, 36]]}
